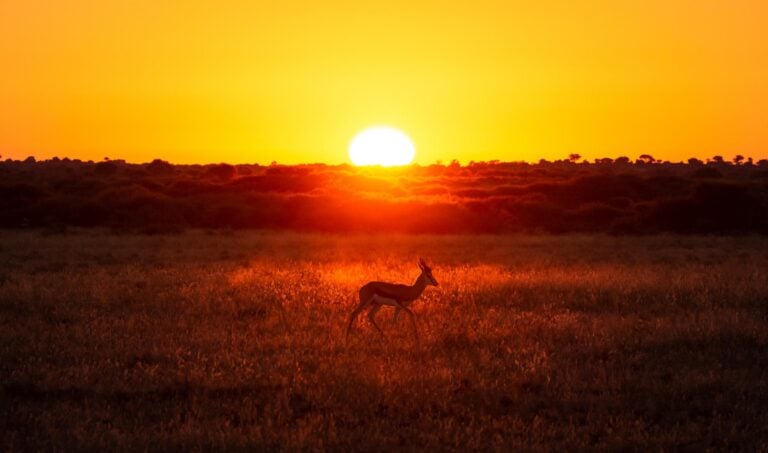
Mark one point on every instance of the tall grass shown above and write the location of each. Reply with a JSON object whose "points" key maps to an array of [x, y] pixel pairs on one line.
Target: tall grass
{"points": [[235, 340]]}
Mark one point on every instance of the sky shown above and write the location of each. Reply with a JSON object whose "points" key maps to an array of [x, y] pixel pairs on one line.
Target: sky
{"points": [[293, 81]]}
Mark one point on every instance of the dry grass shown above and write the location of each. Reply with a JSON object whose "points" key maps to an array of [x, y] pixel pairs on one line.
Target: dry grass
{"points": [[228, 341]]}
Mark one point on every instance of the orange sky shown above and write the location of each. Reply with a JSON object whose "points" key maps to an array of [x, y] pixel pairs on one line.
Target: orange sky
{"points": [[292, 81]]}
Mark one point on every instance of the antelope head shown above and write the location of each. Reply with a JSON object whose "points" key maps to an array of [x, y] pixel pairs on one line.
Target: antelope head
{"points": [[427, 272]]}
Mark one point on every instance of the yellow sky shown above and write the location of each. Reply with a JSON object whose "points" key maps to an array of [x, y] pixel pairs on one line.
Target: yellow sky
{"points": [[293, 81]]}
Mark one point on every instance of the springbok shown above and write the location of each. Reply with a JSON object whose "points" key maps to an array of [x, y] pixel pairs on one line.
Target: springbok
{"points": [[378, 294]]}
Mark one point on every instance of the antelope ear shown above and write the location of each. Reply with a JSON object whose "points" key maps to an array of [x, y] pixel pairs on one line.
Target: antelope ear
{"points": [[422, 264]]}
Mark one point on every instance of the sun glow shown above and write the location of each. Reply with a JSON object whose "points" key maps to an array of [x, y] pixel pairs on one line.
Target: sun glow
{"points": [[381, 145]]}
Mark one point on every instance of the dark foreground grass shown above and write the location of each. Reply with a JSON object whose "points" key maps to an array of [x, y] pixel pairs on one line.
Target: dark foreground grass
{"points": [[231, 341]]}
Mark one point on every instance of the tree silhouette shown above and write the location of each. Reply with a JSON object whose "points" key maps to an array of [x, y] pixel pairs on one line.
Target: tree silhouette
{"points": [[647, 158], [574, 157], [221, 171], [738, 159], [160, 167]]}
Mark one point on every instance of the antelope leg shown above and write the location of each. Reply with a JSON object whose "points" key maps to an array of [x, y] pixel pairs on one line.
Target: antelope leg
{"points": [[372, 317]]}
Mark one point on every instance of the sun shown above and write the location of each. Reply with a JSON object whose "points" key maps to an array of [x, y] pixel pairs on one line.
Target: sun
{"points": [[381, 145]]}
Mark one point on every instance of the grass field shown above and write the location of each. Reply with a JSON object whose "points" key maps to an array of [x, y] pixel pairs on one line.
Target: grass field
{"points": [[235, 340]]}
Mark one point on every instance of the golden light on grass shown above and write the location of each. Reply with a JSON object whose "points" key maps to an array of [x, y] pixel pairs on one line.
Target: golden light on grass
{"points": [[548, 339], [382, 145]]}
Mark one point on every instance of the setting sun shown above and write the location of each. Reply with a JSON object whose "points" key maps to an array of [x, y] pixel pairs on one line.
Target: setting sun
{"points": [[381, 145]]}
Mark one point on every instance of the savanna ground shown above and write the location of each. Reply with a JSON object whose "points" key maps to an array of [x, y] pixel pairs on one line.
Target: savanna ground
{"points": [[235, 340]]}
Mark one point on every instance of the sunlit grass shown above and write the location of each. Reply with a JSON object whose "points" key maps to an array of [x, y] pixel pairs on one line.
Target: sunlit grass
{"points": [[237, 340]]}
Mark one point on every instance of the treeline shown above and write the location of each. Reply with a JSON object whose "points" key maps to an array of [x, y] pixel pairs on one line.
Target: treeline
{"points": [[613, 196]]}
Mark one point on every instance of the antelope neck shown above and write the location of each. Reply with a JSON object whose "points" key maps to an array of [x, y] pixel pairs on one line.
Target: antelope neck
{"points": [[419, 285]]}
